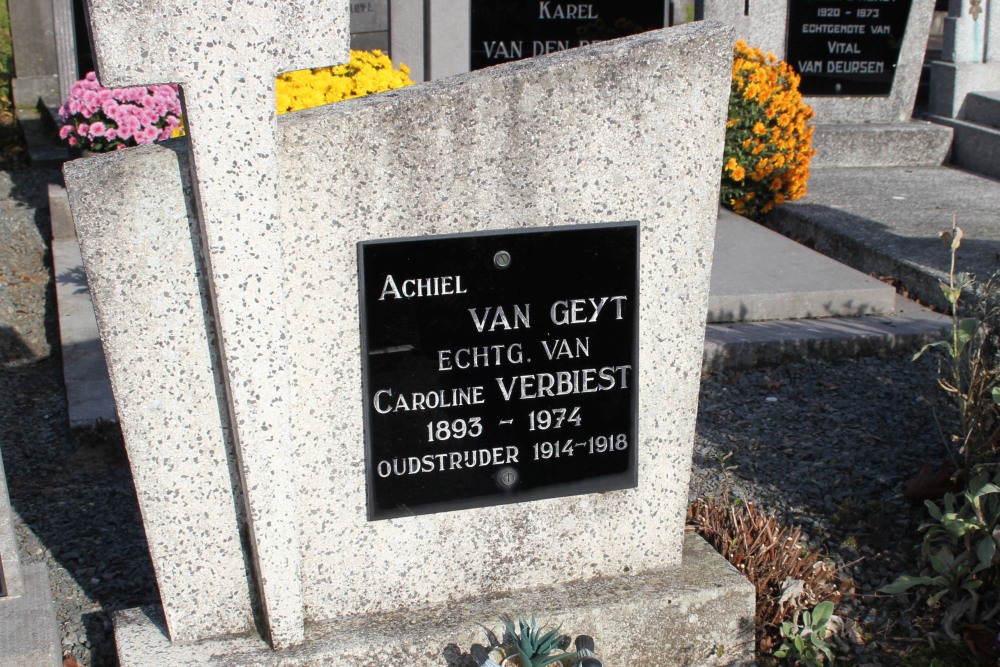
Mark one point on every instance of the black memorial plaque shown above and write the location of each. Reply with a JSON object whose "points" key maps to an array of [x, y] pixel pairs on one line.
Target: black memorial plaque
{"points": [[504, 30], [846, 47], [499, 367]]}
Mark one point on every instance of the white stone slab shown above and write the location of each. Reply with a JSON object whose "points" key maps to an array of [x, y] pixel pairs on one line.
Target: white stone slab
{"points": [[761, 275], [149, 292], [28, 633], [226, 54], [85, 373], [625, 130]]}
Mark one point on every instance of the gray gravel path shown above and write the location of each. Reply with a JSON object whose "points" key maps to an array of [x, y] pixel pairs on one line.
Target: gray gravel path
{"points": [[826, 445]]}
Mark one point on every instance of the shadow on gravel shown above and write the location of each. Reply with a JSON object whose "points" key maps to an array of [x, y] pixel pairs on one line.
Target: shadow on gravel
{"points": [[12, 347]]}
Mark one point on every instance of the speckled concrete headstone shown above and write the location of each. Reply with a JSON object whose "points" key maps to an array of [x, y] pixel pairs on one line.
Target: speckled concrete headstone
{"points": [[225, 54], [627, 129]]}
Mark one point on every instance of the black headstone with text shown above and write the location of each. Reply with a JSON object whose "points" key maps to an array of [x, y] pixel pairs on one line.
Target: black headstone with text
{"points": [[504, 30], [846, 47], [499, 367]]}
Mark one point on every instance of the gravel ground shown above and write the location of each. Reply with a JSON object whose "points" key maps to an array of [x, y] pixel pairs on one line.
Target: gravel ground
{"points": [[825, 445]]}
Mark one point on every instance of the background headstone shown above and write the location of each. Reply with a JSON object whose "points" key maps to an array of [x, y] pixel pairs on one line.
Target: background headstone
{"points": [[867, 121], [370, 25], [449, 37], [965, 85], [970, 57], [766, 24]]}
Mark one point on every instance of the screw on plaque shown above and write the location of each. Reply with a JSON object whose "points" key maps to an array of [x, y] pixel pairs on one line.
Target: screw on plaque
{"points": [[506, 478], [501, 259]]}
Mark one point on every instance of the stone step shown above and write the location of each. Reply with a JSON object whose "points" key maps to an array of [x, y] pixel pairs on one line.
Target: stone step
{"points": [[758, 275], [909, 144], [89, 399], [983, 108], [975, 147], [752, 344]]}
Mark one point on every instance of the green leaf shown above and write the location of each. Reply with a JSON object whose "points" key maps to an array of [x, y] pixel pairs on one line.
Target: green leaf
{"points": [[933, 510], [822, 614], [987, 549], [986, 489], [996, 395], [799, 644], [934, 599], [903, 584], [966, 330], [940, 343], [951, 293]]}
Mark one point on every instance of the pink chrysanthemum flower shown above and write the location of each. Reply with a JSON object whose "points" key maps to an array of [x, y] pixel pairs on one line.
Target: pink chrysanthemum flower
{"points": [[99, 119]]}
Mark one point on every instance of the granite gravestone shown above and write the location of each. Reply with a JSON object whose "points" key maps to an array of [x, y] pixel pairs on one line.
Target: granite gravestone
{"points": [[511, 30], [488, 152], [970, 59], [209, 47], [452, 36], [860, 63], [860, 60], [370, 25], [846, 48]]}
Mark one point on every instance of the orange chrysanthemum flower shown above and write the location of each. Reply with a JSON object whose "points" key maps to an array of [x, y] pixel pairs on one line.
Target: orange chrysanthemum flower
{"points": [[768, 136]]}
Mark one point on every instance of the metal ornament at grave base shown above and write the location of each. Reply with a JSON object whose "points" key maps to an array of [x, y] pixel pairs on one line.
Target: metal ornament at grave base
{"points": [[499, 367]]}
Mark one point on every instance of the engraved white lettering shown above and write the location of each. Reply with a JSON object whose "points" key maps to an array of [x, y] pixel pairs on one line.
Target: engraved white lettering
{"points": [[479, 357], [553, 10], [561, 349], [842, 47], [386, 400], [413, 288], [447, 461], [504, 50], [521, 316], [583, 311], [564, 383]]}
